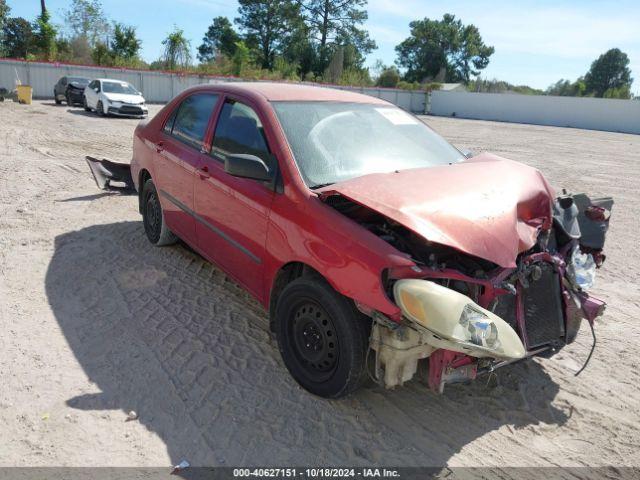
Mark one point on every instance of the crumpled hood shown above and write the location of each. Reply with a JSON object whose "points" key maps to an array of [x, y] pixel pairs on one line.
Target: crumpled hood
{"points": [[124, 98], [487, 206]]}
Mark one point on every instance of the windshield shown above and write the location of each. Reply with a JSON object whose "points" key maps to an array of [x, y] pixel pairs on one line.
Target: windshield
{"points": [[79, 81], [118, 87], [332, 142]]}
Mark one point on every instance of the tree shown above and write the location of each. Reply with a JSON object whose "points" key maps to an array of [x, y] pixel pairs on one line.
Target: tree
{"points": [[4, 15], [101, 54], [566, 88], [220, 38], [609, 71], [443, 48], [85, 18], [267, 25], [177, 50], [240, 57], [336, 23], [17, 37], [389, 78], [44, 35], [125, 44]]}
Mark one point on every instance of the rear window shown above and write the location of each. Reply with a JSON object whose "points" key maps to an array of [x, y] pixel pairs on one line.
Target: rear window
{"points": [[189, 122]]}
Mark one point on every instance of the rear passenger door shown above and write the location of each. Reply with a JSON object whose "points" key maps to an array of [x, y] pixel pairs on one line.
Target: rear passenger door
{"points": [[178, 153], [233, 212]]}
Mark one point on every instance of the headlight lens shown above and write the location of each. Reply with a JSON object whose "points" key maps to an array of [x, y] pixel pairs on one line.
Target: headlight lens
{"points": [[458, 323], [581, 269], [481, 329]]}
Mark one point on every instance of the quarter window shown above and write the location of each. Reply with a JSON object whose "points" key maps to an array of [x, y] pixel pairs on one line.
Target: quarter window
{"points": [[239, 130], [192, 118]]}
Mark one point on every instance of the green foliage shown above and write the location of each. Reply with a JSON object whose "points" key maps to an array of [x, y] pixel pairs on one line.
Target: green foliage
{"points": [[336, 23], [609, 72], [101, 55], [86, 18], [443, 50], [427, 87], [124, 44], [566, 88], [17, 37], [499, 86], [177, 50], [220, 39], [44, 36], [623, 92], [241, 58], [267, 25], [389, 78]]}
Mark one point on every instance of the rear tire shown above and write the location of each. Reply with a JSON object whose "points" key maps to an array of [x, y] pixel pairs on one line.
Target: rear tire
{"points": [[55, 98], [86, 107], [153, 217], [322, 338]]}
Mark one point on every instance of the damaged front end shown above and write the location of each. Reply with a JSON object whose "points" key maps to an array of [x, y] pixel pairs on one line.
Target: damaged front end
{"points": [[469, 315]]}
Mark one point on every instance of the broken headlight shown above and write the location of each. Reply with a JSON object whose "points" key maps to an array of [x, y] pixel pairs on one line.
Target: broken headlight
{"points": [[456, 322], [581, 269]]}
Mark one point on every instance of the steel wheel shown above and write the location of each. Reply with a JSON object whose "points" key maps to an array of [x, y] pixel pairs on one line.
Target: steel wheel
{"points": [[152, 216], [315, 343]]}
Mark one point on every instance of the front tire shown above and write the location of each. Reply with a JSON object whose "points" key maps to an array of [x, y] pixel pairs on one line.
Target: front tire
{"points": [[100, 109], [153, 217], [322, 338]]}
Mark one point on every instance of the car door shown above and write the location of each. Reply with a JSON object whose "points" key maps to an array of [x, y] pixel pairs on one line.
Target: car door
{"points": [[233, 212], [91, 95], [178, 153]]}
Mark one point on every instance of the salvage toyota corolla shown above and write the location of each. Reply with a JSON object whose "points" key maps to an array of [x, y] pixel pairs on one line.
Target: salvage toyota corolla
{"points": [[372, 242]]}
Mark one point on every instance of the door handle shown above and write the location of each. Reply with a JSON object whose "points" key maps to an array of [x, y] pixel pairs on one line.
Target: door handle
{"points": [[203, 172], [159, 147]]}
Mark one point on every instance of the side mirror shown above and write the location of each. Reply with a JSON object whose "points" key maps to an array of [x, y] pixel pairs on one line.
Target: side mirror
{"points": [[246, 166], [467, 153]]}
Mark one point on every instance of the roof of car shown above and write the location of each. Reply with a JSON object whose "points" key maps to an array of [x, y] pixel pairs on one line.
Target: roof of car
{"points": [[273, 91]]}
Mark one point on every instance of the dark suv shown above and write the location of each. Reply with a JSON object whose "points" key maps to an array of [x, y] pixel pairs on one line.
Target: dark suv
{"points": [[70, 89]]}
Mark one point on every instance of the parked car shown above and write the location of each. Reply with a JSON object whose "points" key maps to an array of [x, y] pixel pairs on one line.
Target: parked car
{"points": [[114, 97], [70, 90], [372, 242]]}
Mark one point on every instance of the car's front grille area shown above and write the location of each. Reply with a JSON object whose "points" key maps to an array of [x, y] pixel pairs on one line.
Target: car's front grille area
{"points": [[130, 110], [543, 311]]}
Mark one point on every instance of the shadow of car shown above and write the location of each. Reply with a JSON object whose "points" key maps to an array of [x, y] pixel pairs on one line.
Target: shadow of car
{"points": [[164, 333]]}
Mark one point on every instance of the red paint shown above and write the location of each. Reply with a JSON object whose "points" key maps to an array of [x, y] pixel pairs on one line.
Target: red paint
{"points": [[488, 206], [279, 228]]}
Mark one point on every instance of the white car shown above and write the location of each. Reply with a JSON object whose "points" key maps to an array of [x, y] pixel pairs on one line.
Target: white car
{"points": [[114, 97]]}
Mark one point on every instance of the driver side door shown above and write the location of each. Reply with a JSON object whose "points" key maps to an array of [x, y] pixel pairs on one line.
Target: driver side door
{"points": [[233, 212]]}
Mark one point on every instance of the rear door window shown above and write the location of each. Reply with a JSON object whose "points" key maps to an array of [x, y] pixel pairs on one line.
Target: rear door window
{"points": [[189, 122], [239, 130]]}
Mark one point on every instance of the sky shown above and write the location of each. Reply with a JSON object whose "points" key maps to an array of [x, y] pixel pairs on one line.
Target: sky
{"points": [[537, 42]]}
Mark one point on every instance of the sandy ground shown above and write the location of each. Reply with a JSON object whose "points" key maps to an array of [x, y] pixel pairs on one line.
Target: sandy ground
{"points": [[94, 322]]}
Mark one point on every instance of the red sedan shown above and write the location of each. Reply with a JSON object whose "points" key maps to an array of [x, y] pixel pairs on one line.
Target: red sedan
{"points": [[372, 242]]}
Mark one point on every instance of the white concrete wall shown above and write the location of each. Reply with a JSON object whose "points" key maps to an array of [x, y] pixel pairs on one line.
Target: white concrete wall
{"points": [[160, 87], [590, 113]]}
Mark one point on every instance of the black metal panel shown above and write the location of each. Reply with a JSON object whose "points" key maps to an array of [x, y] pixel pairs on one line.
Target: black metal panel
{"points": [[506, 309], [543, 310]]}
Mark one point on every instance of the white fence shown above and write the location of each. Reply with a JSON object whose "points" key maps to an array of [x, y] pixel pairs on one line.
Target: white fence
{"points": [[159, 87], [590, 113]]}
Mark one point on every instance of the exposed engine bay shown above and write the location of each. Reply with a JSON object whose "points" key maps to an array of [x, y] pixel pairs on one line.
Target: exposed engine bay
{"points": [[467, 314]]}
